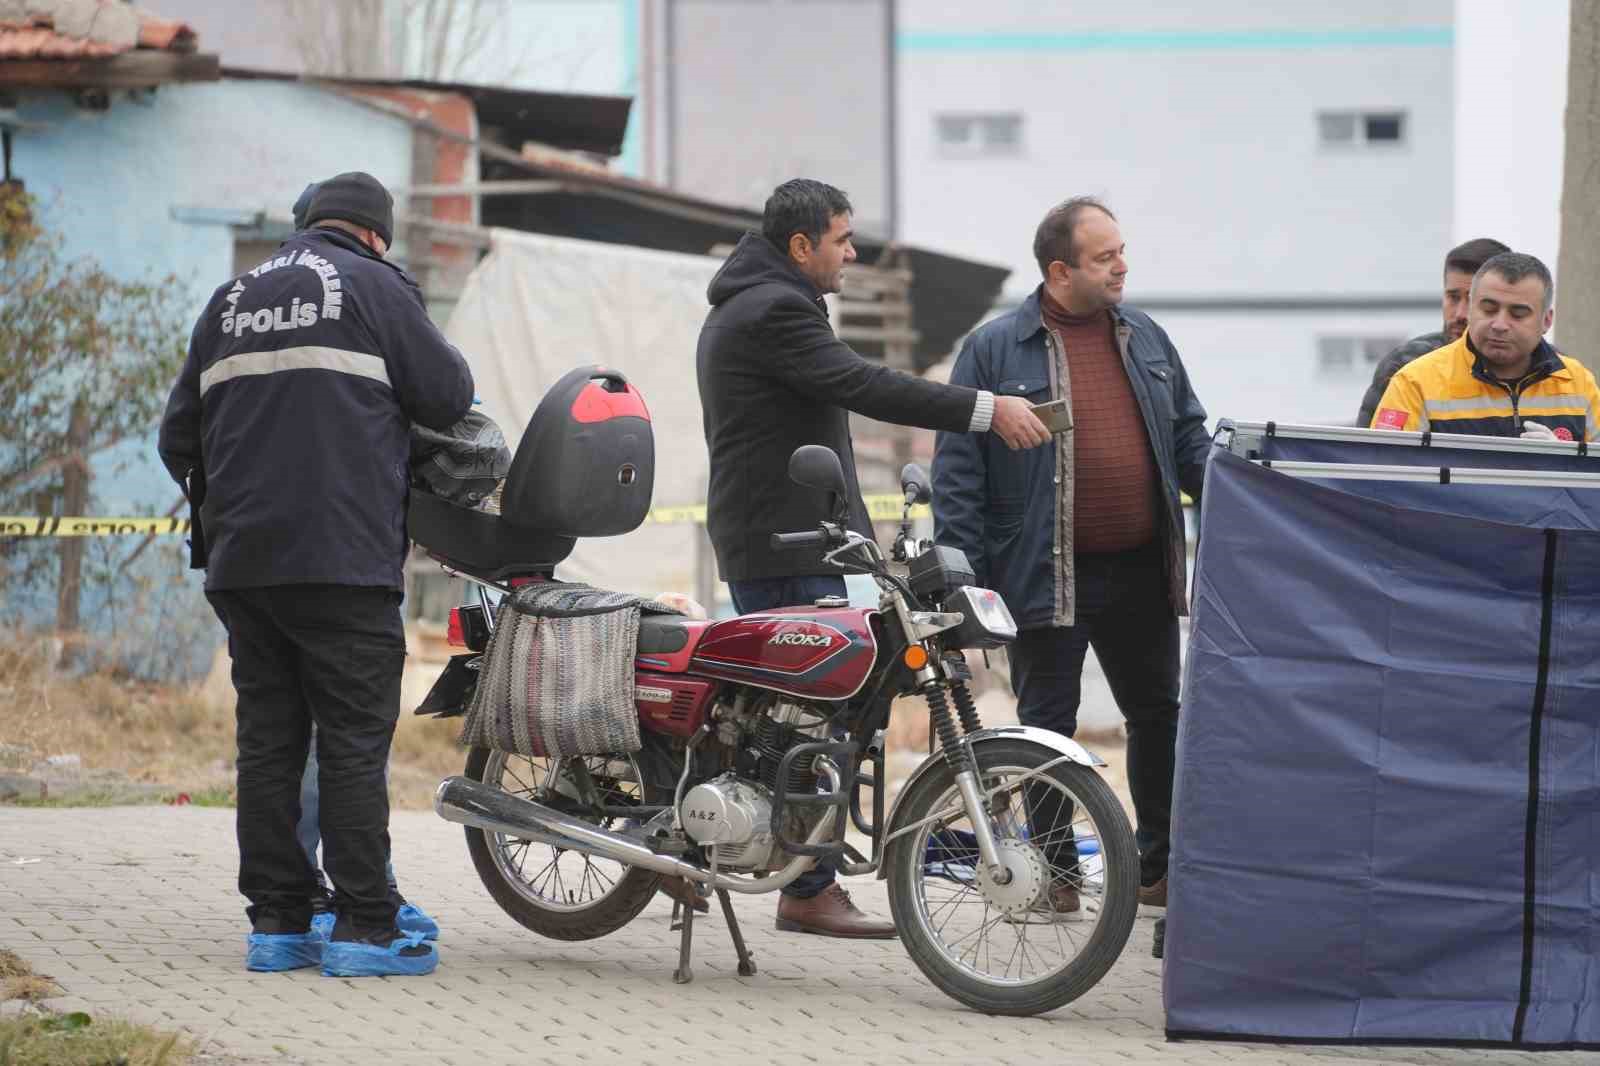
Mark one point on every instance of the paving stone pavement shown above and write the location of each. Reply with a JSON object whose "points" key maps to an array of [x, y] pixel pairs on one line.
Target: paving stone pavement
{"points": [[133, 911]]}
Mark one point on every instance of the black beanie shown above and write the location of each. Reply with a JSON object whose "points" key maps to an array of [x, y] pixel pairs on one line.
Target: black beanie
{"points": [[302, 205], [354, 197]]}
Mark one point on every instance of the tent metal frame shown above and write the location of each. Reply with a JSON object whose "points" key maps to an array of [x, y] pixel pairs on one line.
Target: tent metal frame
{"points": [[1434, 475], [1247, 436], [1245, 440]]}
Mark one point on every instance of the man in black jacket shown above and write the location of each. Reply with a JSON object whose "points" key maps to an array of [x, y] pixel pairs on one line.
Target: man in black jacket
{"points": [[294, 409], [1460, 264], [773, 376]]}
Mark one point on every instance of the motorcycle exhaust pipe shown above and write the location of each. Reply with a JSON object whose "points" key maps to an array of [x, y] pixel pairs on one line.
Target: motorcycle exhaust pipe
{"points": [[481, 806]]}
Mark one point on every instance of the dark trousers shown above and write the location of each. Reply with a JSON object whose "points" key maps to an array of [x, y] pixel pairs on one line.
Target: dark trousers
{"points": [[329, 655], [1124, 614], [763, 594], [309, 831]]}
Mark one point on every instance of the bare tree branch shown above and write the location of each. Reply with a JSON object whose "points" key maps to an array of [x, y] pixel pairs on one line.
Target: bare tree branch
{"points": [[58, 462], [149, 538], [437, 40]]}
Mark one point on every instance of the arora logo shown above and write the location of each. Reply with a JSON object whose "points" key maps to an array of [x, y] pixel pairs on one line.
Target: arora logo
{"points": [[802, 640]]}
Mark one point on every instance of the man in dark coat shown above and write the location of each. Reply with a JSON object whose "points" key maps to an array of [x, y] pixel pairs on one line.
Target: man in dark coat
{"points": [[294, 410], [773, 377]]}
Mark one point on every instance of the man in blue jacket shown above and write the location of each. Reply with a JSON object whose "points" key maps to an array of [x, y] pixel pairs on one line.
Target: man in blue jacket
{"points": [[1085, 539], [289, 427]]}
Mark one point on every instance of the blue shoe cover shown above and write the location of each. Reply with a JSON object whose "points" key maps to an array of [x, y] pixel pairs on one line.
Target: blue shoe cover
{"points": [[273, 952], [357, 958], [413, 921], [322, 924]]}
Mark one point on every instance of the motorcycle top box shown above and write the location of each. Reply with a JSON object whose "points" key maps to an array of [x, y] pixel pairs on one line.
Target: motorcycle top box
{"points": [[585, 467]]}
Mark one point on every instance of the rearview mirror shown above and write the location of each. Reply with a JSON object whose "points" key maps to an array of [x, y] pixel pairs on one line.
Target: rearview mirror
{"points": [[915, 484], [817, 467]]}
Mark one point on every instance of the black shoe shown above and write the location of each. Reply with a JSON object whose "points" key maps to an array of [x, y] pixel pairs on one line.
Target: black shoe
{"points": [[278, 925], [347, 932]]}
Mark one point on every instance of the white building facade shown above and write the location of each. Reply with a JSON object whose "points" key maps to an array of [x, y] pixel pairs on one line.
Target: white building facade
{"points": [[1283, 173]]}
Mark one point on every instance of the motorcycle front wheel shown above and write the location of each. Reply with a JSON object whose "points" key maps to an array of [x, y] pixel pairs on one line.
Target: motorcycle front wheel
{"points": [[559, 892], [1053, 930]]}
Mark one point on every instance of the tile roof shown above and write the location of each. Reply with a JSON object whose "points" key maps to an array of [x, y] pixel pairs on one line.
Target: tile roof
{"points": [[85, 29]]}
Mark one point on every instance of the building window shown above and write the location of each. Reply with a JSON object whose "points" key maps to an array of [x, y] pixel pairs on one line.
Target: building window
{"points": [[1355, 128], [249, 253], [1341, 354], [971, 135]]}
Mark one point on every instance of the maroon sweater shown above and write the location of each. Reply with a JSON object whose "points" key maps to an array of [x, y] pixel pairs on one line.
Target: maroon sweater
{"points": [[1113, 471]]}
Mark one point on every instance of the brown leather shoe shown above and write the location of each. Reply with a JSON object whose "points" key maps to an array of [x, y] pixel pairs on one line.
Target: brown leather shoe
{"points": [[1154, 895], [679, 890], [1063, 899], [1054, 906], [830, 913]]}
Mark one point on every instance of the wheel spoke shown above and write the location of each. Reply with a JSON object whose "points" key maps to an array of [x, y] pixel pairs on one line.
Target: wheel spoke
{"points": [[1045, 831], [557, 878], [518, 778]]}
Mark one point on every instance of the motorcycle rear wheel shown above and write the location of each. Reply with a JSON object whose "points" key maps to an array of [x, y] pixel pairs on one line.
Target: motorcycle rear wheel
{"points": [[557, 892], [1014, 954]]}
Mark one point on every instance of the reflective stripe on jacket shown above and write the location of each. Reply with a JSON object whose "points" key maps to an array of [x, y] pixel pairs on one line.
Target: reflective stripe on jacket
{"points": [[294, 409], [1451, 391]]}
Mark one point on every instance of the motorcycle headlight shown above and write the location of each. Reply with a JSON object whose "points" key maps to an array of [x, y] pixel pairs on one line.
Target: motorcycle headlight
{"points": [[988, 622]]}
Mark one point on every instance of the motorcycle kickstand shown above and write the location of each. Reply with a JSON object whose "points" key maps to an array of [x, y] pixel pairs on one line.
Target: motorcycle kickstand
{"points": [[747, 965], [683, 974]]}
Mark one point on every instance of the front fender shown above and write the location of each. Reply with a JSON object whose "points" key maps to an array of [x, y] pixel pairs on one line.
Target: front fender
{"points": [[1044, 737]]}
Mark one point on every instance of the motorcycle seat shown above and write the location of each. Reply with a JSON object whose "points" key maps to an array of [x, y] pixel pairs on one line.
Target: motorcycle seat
{"points": [[662, 634], [670, 639], [479, 543]]}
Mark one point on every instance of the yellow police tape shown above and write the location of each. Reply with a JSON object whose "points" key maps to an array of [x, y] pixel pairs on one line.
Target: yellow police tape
{"points": [[14, 526], [880, 507]]}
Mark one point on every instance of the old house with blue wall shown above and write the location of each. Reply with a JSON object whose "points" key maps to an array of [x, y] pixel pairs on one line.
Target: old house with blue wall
{"points": [[153, 157]]}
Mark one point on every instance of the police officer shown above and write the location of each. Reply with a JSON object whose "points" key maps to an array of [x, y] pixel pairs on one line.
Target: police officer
{"points": [[410, 918], [288, 427]]}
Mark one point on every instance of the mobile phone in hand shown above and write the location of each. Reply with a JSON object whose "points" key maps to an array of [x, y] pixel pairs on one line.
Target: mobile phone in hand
{"points": [[1056, 415]]}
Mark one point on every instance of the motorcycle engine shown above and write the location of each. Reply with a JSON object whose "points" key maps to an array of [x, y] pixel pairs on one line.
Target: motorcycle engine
{"points": [[734, 811], [736, 815]]}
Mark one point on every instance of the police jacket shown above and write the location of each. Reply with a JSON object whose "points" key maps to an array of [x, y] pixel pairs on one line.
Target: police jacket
{"points": [[773, 376], [1452, 391], [294, 409], [1006, 510]]}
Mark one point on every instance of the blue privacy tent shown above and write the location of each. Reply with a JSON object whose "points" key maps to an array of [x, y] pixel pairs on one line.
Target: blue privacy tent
{"points": [[1387, 809]]}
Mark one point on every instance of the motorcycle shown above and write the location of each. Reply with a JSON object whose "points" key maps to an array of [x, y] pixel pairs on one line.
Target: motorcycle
{"points": [[1011, 869]]}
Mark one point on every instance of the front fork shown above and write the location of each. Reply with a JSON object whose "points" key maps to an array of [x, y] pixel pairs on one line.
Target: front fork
{"points": [[958, 755]]}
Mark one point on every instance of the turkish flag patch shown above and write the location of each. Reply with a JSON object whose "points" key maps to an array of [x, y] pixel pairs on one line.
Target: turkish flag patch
{"points": [[1389, 418], [1562, 433]]}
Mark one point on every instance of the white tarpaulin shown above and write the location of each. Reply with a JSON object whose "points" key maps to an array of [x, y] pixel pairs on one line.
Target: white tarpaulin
{"points": [[536, 307]]}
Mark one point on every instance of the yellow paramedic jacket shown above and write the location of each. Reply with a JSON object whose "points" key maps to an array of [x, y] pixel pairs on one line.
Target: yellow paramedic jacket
{"points": [[1450, 390]]}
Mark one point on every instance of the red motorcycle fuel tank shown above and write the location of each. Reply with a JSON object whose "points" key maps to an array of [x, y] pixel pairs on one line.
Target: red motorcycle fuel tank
{"points": [[820, 653]]}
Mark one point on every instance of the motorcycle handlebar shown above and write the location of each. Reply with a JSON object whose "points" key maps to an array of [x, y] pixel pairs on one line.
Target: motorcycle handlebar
{"points": [[814, 538]]}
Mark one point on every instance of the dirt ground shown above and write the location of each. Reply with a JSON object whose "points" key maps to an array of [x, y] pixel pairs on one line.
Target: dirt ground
{"points": [[181, 738]]}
